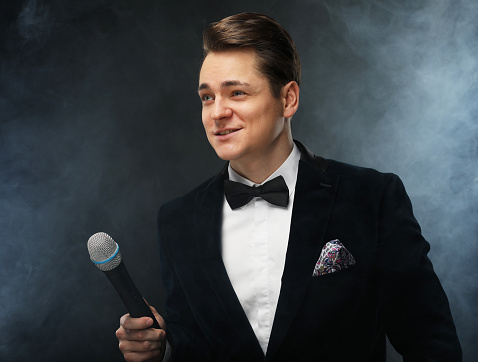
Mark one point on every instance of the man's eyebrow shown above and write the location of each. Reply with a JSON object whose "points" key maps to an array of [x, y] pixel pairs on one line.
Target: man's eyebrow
{"points": [[203, 86], [225, 84], [229, 83]]}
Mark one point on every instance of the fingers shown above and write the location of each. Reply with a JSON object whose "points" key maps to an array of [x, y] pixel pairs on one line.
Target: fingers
{"points": [[158, 317], [137, 341], [137, 329], [139, 351], [135, 323]]}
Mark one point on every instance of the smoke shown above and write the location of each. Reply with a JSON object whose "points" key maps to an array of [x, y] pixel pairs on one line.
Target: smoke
{"points": [[89, 113], [398, 92], [33, 21], [99, 116]]}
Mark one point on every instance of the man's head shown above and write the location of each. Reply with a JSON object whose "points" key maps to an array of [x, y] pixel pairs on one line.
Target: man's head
{"points": [[277, 55], [249, 91]]}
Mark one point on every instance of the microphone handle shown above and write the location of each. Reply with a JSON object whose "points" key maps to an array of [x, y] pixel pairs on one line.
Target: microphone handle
{"points": [[129, 294]]}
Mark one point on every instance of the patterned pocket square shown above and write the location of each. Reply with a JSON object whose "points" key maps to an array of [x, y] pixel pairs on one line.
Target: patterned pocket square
{"points": [[333, 257]]}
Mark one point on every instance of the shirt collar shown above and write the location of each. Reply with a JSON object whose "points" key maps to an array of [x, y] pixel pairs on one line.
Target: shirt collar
{"points": [[288, 170]]}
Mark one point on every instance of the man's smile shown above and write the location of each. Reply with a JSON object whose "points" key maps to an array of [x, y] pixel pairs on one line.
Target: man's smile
{"points": [[225, 132]]}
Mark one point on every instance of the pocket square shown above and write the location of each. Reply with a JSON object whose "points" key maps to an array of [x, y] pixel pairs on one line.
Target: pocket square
{"points": [[333, 257]]}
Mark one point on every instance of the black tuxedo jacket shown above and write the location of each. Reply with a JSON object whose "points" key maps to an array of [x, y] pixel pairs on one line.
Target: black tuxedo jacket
{"points": [[344, 316]]}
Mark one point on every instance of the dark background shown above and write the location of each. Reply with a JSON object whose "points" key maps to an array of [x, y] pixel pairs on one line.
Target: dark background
{"points": [[100, 124]]}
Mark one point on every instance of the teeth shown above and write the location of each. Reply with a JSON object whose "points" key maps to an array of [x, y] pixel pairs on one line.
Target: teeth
{"points": [[226, 132]]}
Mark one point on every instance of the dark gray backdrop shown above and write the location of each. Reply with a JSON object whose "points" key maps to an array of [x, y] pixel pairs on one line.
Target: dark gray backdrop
{"points": [[100, 124]]}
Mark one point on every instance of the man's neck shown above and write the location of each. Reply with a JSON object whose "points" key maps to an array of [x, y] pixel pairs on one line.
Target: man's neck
{"points": [[259, 170]]}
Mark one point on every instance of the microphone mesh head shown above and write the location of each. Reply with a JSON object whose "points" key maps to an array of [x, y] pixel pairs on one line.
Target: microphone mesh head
{"points": [[102, 248]]}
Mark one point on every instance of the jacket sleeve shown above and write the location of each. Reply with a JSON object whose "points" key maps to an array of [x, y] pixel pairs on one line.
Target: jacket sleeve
{"points": [[183, 333], [417, 315]]}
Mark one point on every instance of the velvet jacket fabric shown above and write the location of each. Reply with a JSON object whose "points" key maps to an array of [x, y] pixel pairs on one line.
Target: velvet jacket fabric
{"points": [[343, 316]]}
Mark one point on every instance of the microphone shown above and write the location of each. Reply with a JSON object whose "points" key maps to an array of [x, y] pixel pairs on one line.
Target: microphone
{"points": [[105, 254]]}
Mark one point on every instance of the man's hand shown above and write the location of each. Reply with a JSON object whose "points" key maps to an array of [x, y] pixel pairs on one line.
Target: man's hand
{"points": [[139, 342]]}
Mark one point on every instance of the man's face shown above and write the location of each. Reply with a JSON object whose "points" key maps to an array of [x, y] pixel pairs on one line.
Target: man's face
{"points": [[244, 123]]}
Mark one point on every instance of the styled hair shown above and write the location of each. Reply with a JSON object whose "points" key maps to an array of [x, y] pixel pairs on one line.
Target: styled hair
{"points": [[278, 59]]}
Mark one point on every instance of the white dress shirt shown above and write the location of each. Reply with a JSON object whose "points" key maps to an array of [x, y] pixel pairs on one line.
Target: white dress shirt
{"points": [[254, 246]]}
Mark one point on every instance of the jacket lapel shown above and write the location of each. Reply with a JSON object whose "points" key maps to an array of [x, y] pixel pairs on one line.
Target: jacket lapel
{"points": [[313, 202], [234, 330]]}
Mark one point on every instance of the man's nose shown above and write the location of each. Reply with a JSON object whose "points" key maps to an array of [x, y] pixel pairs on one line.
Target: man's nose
{"points": [[221, 110]]}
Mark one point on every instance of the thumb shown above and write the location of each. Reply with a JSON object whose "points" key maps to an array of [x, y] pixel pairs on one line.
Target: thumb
{"points": [[158, 317]]}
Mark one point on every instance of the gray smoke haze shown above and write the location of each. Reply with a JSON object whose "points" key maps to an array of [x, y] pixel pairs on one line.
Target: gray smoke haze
{"points": [[100, 124], [403, 99], [33, 21]]}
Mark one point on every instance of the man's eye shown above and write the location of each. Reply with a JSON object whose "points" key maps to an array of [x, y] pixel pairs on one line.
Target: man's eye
{"points": [[206, 98], [237, 93]]}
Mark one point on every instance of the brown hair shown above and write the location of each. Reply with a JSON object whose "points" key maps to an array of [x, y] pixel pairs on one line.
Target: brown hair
{"points": [[276, 52]]}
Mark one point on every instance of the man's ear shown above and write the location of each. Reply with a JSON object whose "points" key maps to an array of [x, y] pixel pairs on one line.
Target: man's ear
{"points": [[290, 98]]}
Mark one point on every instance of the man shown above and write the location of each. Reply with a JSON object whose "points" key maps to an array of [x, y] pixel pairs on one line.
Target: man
{"points": [[318, 263]]}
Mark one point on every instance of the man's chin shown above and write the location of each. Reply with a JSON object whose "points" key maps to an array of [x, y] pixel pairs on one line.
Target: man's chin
{"points": [[224, 157], [226, 154]]}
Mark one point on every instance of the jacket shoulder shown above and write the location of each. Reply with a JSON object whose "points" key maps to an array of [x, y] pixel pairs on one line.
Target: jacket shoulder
{"points": [[366, 185], [349, 170], [344, 170]]}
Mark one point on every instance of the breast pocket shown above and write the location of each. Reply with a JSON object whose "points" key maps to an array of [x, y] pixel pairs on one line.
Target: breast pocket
{"points": [[341, 285], [343, 274]]}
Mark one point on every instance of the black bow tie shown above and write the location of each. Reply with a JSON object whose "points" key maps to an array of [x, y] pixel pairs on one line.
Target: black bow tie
{"points": [[274, 191]]}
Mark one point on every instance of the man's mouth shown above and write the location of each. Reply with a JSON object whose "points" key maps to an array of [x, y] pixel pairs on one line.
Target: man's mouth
{"points": [[226, 132]]}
